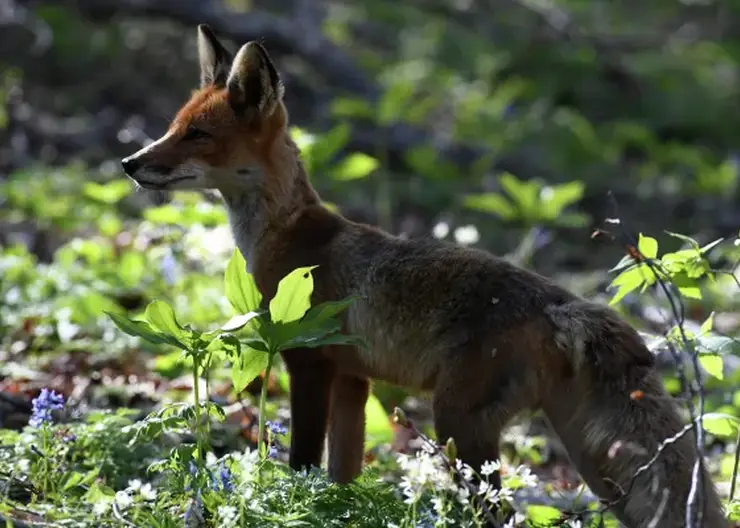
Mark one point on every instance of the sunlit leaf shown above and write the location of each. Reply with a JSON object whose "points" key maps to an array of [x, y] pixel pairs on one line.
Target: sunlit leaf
{"points": [[144, 330], [378, 427], [541, 515], [162, 317], [720, 424], [355, 166], [240, 288], [713, 364], [108, 193], [239, 321], [247, 366], [648, 246], [293, 297], [491, 203]]}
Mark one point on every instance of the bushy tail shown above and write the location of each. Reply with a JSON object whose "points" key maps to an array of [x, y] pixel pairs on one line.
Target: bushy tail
{"points": [[622, 429]]}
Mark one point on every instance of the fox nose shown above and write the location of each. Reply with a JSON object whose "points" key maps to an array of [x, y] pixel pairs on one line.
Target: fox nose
{"points": [[130, 166]]}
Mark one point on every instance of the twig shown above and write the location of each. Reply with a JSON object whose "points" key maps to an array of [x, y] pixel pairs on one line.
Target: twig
{"points": [[733, 482], [120, 517]]}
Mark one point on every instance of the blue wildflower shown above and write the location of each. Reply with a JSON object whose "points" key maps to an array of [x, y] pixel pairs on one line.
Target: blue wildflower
{"points": [[43, 404], [272, 452], [224, 480], [276, 428]]}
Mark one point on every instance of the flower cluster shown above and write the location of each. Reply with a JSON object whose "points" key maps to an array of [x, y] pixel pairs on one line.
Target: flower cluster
{"points": [[276, 428], [46, 402]]}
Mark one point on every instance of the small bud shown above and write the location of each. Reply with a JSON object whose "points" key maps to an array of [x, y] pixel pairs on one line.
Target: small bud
{"points": [[399, 417], [451, 449]]}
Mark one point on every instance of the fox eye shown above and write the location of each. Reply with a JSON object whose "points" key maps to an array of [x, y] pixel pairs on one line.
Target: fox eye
{"points": [[195, 133]]}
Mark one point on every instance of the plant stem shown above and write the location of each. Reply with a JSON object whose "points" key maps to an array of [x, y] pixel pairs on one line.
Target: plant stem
{"points": [[261, 447], [196, 396], [733, 482]]}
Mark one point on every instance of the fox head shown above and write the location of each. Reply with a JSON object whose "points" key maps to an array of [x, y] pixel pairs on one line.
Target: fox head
{"points": [[224, 136]]}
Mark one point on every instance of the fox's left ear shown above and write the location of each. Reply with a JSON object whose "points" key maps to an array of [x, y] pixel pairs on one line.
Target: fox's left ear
{"points": [[214, 58], [253, 81]]}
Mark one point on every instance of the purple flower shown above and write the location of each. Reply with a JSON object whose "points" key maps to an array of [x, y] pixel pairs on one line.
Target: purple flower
{"points": [[224, 480], [277, 429], [43, 404], [272, 452]]}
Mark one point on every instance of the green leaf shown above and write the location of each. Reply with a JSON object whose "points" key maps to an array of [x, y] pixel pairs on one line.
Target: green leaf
{"points": [[720, 424], [355, 166], [378, 428], [108, 193], [707, 325], [491, 203], [162, 317], [166, 214], [328, 309], [293, 297], [331, 339], [73, 479], [648, 246], [239, 321], [241, 289], [394, 101], [247, 366], [710, 246], [692, 292], [713, 364], [627, 281], [690, 241], [142, 329], [542, 515]]}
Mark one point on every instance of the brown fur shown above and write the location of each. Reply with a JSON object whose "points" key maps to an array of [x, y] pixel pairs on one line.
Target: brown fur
{"points": [[487, 338]]}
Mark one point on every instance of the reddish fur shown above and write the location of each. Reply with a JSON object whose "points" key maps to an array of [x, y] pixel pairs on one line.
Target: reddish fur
{"points": [[487, 338]]}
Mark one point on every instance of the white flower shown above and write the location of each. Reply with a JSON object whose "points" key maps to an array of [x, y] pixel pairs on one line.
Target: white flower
{"points": [[517, 520], [441, 230], [134, 485], [462, 495], [227, 515], [488, 468], [123, 499], [147, 492], [466, 235], [102, 506]]}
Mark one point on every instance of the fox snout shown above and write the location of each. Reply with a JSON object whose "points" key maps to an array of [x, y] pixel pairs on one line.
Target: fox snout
{"points": [[130, 166]]}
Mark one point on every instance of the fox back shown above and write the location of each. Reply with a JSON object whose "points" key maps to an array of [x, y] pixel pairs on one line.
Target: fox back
{"points": [[486, 338]]}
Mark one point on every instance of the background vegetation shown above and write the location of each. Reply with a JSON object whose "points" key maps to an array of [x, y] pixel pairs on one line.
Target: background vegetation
{"points": [[519, 126]]}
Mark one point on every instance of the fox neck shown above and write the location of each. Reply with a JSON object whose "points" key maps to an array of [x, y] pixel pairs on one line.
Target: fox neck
{"points": [[274, 205]]}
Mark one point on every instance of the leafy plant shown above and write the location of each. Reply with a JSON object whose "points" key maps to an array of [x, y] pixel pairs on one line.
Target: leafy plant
{"points": [[531, 202], [289, 321]]}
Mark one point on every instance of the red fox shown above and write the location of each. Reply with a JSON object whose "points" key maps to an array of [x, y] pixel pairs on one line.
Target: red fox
{"points": [[486, 338]]}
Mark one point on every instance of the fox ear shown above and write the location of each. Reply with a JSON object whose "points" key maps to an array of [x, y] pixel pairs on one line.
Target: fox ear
{"points": [[253, 80], [215, 59]]}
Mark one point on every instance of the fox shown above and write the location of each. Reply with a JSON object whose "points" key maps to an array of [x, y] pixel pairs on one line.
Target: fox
{"points": [[486, 339]]}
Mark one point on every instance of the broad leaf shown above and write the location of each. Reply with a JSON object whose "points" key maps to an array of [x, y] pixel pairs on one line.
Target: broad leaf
{"points": [[239, 321], [713, 364], [144, 330], [332, 339], [162, 317], [326, 310], [293, 297], [720, 424], [247, 366], [648, 246], [241, 289], [541, 515], [288, 335]]}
